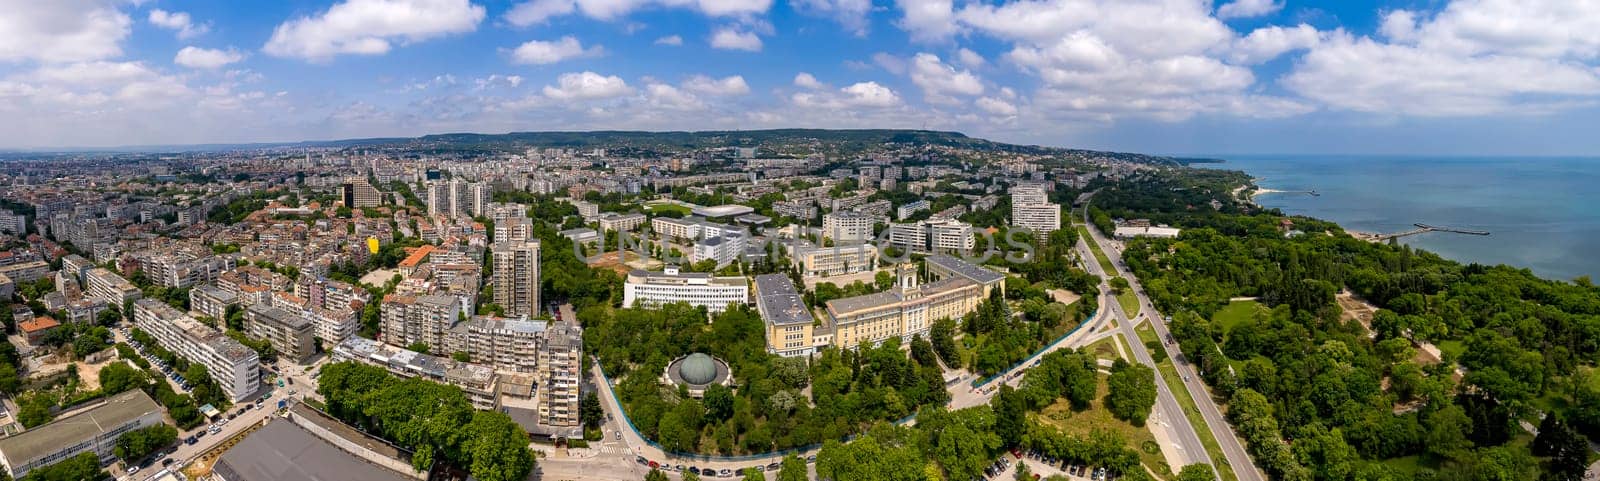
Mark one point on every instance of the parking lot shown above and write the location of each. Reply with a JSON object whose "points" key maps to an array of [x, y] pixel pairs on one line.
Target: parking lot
{"points": [[1005, 468]]}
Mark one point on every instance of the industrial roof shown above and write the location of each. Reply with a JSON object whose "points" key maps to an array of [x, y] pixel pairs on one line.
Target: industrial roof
{"points": [[117, 411], [282, 450]]}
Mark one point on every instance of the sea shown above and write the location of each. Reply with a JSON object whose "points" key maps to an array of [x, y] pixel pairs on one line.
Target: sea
{"points": [[1542, 212]]}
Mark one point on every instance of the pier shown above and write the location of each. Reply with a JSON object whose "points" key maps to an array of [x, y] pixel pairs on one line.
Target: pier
{"points": [[1424, 228]]}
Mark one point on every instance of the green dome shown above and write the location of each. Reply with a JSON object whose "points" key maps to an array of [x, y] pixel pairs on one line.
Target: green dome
{"points": [[698, 369]]}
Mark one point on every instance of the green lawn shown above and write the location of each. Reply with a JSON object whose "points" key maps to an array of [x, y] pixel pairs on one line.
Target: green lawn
{"points": [[1099, 255], [1103, 349], [1098, 418], [664, 206], [1129, 301], [1236, 312], [1453, 347]]}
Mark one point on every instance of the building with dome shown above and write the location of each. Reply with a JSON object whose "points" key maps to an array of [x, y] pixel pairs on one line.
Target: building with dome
{"points": [[697, 372]]}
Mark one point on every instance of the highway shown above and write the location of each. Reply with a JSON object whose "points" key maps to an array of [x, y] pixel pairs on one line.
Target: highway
{"points": [[1232, 448]]}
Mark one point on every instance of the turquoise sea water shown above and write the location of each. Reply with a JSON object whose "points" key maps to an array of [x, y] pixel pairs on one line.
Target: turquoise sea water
{"points": [[1542, 213]]}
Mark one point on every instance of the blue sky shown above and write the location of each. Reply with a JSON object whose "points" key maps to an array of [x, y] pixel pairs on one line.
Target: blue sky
{"points": [[1486, 77]]}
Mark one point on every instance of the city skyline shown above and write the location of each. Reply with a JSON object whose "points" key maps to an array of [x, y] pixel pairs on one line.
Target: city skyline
{"points": [[1178, 76]]}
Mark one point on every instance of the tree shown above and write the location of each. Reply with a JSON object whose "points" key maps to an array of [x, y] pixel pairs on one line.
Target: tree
{"points": [[718, 400], [1132, 391], [590, 411], [1566, 449], [1010, 415], [1197, 472], [419, 346], [655, 475], [136, 444], [792, 469], [83, 467], [118, 377], [750, 474], [1023, 473]]}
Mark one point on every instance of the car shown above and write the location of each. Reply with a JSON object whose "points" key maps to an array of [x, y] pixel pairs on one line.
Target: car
{"points": [[694, 469], [774, 466], [190, 441], [133, 469], [811, 459], [725, 472], [167, 462], [641, 460], [760, 469]]}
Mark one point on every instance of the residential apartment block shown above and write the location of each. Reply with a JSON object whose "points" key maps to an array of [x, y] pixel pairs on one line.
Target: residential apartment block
{"points": [[408, 320], [516, 277], [234, 366]]}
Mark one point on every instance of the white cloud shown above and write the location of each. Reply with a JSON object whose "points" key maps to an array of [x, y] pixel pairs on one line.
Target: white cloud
{"points": [[672, 40], [1267, 43], [497, 80], [371, 27], [890, 63], [939, 81], [668, 97], [533, 12], [1364, 75], [539, 52], [851, 14], [969, 58], [587, 86], [538, 11], [730, 85], [730, 38], [1471, 58], [928, 20], [62, 30], [859, 95], [806, 81], [996, 107], [1248, 8], [177, 22], [206, 58]]}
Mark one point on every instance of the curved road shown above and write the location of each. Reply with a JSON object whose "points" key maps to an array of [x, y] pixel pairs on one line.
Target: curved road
{"points": [[1232, 448]]}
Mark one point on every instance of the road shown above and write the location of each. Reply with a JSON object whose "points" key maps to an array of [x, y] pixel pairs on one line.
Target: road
{"points": [[1232, 448]]}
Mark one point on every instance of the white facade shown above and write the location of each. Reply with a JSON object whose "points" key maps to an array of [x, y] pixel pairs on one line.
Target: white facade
{"points": [[649, 290], [847, 227], [516, 277], [1041, 218], [231, 364]]}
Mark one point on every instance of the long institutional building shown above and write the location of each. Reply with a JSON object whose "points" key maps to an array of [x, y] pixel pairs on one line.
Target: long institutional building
{"points": [[94, 430], [236, 368], [907, 310], [650, 290]]}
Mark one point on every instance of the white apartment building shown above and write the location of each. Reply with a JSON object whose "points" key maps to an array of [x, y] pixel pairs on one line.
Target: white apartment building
{"points": [[932, 236], [101, 283], [621, 222], [649, 290], [211, 301], [1029, 195], [586, 210], [724, 249], [507, 344], [847, 227], [813, 261], [516, 277], [1041, 218], [234, 366], [912, 208]]}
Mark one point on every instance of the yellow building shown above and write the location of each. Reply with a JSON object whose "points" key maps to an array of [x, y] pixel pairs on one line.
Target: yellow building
{"points": [[905, 311], [791, 331]]}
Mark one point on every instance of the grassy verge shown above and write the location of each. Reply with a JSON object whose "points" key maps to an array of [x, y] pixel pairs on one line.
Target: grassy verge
{"points": [[1099, 255], [1129, 301], [1212, 448], [1098, 418], [1103, 349]]}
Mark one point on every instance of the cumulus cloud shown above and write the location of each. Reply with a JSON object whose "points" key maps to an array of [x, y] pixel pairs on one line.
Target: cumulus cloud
{"points": [[533, 12], [730, 38], [178, 22], [62, 30], [672, 40], [969, 58], [939, 81], [665, 96], [858, 95], [371, 27], [206, 58], [1267, 43], [996, 107], [587, 86], [927, 20], [1248, 8], [1473, 57], [730, 85], [539, 52], [851, 14], [807, 81]]}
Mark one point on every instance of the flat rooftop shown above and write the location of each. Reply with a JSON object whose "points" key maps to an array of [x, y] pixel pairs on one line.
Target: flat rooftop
{"points": [[779, 302], [282, 450], [972, 272], [116, 412]]}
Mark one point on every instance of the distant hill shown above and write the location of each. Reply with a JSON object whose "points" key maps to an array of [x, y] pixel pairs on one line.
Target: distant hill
{"points": [[645, 143]]}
